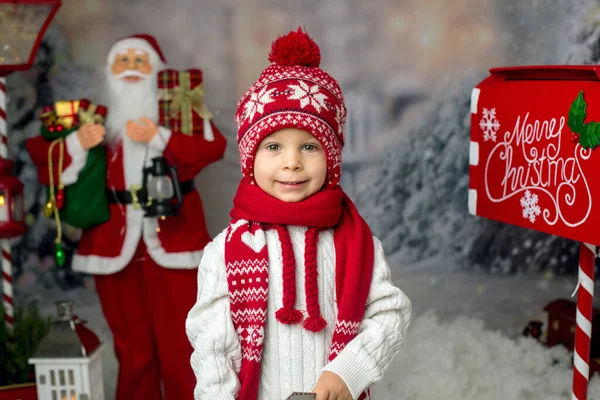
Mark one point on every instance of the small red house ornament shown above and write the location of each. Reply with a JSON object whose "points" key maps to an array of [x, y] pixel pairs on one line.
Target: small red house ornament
{"points": [[562, 325]]}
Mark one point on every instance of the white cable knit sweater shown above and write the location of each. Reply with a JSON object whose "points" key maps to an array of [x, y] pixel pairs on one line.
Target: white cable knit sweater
{"points": [[293, 358]]}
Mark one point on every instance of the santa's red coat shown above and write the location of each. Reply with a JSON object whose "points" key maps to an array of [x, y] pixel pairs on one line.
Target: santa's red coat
{"points": [[175, 242]]}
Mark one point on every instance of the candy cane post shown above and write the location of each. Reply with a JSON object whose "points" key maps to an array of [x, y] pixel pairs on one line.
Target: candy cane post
{"points": [[534, 156], [7, 287], [583, 332], [3, 121]]}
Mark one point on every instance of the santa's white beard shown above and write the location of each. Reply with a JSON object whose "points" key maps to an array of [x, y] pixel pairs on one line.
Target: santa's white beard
{"points": [[129, 101]]}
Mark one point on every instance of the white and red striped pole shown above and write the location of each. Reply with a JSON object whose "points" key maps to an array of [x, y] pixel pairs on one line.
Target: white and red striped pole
{"points": [[583, 332], [7, 287], [3, 120]]}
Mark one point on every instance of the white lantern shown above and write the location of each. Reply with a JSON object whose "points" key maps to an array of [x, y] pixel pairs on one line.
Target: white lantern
{"points": [[68, 362]]}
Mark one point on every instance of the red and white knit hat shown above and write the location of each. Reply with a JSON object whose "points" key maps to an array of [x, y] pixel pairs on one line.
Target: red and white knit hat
{"points": [[293, 92], [140, 41]]}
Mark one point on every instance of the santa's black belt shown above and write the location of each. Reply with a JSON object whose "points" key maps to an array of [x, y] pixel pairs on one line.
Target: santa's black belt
{"points": [[138, 194]]}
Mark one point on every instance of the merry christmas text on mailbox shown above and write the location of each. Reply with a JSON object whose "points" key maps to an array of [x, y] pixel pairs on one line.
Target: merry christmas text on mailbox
{"points": [[533, 156]]}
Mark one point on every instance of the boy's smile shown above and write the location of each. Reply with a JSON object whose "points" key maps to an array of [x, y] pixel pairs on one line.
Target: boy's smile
{"points": [[290, 165], [291, 184]]}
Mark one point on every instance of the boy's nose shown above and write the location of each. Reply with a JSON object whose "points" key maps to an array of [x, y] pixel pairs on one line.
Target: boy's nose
{"points": [[292, 162]]}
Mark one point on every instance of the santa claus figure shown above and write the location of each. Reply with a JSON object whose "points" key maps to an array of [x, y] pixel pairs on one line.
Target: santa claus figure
{"points": [[145, 268]]}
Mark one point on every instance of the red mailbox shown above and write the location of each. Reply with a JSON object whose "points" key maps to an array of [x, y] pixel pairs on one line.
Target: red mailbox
{"points": [[528, 167]]}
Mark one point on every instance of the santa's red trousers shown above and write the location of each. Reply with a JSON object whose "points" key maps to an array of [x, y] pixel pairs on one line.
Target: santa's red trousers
{"points": [[146, 306]]}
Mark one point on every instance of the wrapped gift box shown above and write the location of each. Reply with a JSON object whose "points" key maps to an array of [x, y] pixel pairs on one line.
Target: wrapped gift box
{"points": [[66, 111], [181, 101]]}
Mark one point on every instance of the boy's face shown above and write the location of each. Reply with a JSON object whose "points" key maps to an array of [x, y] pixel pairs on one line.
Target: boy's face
{"points": [[290, 165]]}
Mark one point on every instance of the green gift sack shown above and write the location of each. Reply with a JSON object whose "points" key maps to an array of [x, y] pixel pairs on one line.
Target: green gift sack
{"points": [[85, 202]]}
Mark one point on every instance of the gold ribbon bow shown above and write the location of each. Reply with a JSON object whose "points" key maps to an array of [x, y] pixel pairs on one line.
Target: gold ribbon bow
{"points": [[185, 100], [89, 116], [50, 119]]}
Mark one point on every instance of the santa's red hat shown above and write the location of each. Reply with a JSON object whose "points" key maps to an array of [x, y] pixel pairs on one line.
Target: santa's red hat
{"points": [[140, 41]]}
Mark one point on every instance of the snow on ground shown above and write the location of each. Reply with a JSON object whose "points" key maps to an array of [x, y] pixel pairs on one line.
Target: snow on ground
{"points": [[461, 360], [464, 341]]}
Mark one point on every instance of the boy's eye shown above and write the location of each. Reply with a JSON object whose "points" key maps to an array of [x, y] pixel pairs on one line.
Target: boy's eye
{"points": [[310, 147], [272, 147]]}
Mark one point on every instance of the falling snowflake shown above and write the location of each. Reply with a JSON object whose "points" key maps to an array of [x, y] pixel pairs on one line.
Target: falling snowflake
{"points": [[257, 103], [531, 209], [489, 124], [308, 95]]}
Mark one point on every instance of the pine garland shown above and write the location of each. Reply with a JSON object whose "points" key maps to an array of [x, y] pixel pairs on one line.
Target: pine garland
{"points": [[29, 329]]}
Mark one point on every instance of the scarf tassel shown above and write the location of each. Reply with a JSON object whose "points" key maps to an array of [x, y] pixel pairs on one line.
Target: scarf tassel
{"points": [[314, 323], [288, 315]]}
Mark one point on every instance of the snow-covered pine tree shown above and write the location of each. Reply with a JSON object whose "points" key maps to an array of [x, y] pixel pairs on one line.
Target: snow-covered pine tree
{"points": [[416, 202], [580, 33]]}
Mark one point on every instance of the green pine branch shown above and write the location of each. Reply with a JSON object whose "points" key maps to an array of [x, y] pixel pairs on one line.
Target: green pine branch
{"points": [[29, 329]]}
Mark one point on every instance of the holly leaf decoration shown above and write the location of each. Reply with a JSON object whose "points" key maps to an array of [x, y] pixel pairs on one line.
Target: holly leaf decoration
{"points": [[589, 134], [577, 114]]}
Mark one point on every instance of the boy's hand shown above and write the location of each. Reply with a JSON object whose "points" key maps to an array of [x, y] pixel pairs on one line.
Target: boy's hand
{"points": [[331, 387]]}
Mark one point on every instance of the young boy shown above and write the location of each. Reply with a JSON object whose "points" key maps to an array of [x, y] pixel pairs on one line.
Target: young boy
{"points": [[295, 295]]}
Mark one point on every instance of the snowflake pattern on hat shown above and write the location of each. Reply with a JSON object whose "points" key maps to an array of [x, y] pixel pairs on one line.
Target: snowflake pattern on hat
{"points": [[340, 117], [308, 95], [257, 103]]}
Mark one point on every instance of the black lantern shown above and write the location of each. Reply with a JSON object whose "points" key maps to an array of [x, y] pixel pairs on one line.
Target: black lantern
{"points": [[163, 192]]}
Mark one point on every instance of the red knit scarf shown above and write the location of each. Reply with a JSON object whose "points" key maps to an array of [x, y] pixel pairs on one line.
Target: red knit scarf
{"points": [[246, 259]]}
